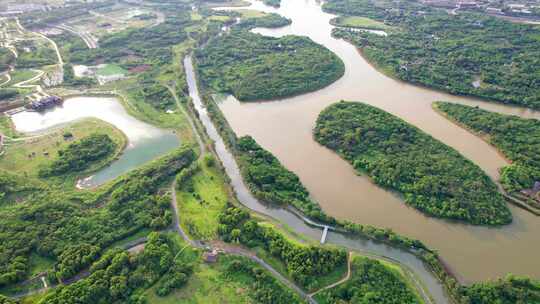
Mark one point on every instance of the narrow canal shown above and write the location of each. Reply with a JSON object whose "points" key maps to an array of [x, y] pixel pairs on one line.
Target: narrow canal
{"points": [[473, 253], [408, 260]]}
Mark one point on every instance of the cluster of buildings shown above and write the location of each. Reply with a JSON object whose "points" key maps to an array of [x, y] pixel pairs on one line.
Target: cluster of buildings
{"points": [[514, 8], [534, 192]]}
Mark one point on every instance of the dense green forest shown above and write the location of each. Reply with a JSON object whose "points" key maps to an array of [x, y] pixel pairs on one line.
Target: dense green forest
{"points": [[371, 282], [462, 54], [80, 155], [511, 290], [67, 227], [304, 263], [517, 138], [119, 277], [271, 20], [432, 177], [272, 182], [255, 67], [36, 56]]}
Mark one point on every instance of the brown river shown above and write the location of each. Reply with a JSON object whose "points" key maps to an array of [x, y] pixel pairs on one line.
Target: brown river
{"points": [[284, 127]]}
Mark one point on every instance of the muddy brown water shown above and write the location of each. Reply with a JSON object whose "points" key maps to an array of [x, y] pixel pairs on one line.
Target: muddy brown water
{"points": [[284, 127]]}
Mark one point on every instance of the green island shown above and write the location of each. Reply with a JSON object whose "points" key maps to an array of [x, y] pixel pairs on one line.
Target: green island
{"points": [[517, 138], [255, 67], [251, 19], [431, 176], [372, 281], [70, 151], [465, 53], [359, 22]]}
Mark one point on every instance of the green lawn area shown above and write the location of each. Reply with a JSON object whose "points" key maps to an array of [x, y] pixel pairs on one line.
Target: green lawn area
{"points": [[219, 18], [208, 285], [20, 75], [199, 209], [360, 22], [44, 148], [111, 69]]}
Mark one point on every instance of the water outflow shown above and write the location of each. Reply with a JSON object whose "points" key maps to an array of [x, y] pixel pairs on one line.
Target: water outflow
{"points": [[406, 259]]}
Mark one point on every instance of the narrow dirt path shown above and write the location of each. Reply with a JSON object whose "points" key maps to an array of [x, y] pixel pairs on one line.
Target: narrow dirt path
{"points": [[345, 279]]}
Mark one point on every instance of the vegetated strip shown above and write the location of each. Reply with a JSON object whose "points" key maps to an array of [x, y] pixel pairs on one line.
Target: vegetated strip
{"points": [[431, 176], [517, 138]]}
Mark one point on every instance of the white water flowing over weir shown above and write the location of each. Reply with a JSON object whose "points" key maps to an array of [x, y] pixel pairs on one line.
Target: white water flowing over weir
{"points": [[409, 261]]}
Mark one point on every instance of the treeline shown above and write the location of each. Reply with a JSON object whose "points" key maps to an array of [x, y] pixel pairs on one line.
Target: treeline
{"points": [[263, 287], [270, 20], [517, 138], [80, 155], [119, 277], [6, 59], [271, 182], [304, 263], [462, 54], [432, 177], [254, 67], [63, 225], [511, 290], [370, 282]]}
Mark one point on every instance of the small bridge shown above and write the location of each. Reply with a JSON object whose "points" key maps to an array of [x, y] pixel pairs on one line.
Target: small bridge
{"points": [[324, 234]]}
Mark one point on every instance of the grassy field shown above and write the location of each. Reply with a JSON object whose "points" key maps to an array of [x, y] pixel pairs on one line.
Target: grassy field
{"points": [[359, 22], [111, 69], [20, 75], [199, 209], [26, 156], [209, 285], [39, 264]]}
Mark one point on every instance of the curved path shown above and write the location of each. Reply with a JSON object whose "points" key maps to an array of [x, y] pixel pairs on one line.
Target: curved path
{"points": [[430, 286], [345, 279]]}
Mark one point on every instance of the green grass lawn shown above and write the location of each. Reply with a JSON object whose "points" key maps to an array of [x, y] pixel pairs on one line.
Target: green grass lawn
{"points": [[111, 69], [44, 149], [360, 22], [20, 75], [39, 264], [199, 210], [209, 285]]}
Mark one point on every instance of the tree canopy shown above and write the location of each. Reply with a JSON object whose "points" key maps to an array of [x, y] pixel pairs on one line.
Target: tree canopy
{"points": [[432, 177]]}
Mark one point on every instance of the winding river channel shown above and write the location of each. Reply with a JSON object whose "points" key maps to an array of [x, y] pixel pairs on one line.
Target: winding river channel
{"points": [[285, 128], [145, 142]]}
